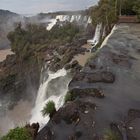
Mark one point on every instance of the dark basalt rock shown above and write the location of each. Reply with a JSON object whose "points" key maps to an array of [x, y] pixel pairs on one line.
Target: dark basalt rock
{"points": [[74, 66], [132, 123], [81, 93], [133, 113], [33, 129], [72, 117], [105, 77], [122, 60], [69, 113]]}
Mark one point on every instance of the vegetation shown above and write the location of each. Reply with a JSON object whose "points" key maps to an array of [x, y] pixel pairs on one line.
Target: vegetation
{"points": [[136, 8], [107, 11], [110, 135], [130, 7], [68, 97], [28, 41], [18, 134], [49, 109]]}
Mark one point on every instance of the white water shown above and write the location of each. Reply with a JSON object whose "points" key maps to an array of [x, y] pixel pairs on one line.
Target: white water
{"points": [[56, 94], [106, 39], [69, 18], [96, 37]]}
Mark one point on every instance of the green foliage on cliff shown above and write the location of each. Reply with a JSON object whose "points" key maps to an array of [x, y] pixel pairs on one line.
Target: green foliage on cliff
{"points": [[7, 82], [105, 12], [136, 8], [49, 109], [68, 97], [17, 134], [28, 41], [130, 7]]}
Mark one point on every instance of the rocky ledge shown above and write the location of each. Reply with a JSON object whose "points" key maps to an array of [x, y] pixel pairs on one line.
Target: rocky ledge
{"points": [[102, 94]]}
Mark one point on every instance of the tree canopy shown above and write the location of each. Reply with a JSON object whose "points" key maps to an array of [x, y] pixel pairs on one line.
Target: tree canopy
{"points": [[107, 11], [27, 41]]}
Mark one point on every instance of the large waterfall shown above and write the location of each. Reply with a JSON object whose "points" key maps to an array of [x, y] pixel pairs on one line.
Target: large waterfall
{"points": [[53, 87]]}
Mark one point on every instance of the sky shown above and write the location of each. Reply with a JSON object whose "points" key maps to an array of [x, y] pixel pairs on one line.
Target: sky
{"points": [[37, 6]]}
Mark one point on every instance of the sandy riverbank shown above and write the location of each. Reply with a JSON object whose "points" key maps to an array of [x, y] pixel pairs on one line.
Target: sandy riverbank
{"points": [[4, 53]]}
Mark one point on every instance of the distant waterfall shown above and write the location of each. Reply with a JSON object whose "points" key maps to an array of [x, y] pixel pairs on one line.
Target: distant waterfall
{"points": [[53, 87], [70, 18]]}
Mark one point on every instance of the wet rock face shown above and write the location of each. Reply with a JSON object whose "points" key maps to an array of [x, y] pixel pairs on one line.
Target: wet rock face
{"points": [[132, 124], [113, 73], [122, 60], [82, 93], [69, 122], [68, 114], [33, 129], [105, 77], [67, 53], [74, 67]]}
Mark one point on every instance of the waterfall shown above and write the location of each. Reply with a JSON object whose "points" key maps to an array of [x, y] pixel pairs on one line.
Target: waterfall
{"points": [[89, 20], [69, 18], [51, 24], [109, 35], [53, 87], [96, 37]]}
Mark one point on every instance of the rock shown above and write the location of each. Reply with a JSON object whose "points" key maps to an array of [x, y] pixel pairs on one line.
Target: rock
{"points": [[130, 128], [82, 93], [122, 60], [133, 124], [74, 63], [74, 66], [33, 129], [105, 77], [69, 113], [108, 77], [86, 112]]}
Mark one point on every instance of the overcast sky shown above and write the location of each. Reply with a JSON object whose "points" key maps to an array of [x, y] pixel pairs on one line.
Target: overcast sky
{"points": [[37, 6]]}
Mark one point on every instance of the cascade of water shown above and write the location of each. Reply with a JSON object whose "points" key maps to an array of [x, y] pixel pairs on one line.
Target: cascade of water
{"points": [[68, 18], [51, 24], [89, 20], [97, 36], [56, 94], [106, 39]]}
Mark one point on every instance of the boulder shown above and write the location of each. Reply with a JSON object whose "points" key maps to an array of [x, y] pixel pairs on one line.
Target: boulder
{"points": [[33, 129]]}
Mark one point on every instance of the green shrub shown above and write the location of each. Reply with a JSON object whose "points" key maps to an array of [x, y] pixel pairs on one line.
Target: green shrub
{"points": [[49, 109], [17, 134], [68, 97], [110, 135]]}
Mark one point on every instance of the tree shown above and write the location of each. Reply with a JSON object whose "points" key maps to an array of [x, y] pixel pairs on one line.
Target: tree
{"points": [[136, 8], [105, 12], [18, 134], [49, 109]]}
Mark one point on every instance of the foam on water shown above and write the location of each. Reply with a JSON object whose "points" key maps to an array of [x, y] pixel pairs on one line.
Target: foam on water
{"points": [[42, 98]]}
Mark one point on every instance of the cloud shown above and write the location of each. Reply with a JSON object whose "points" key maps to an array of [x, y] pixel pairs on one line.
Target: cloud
{"points": [[36, 6]]}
